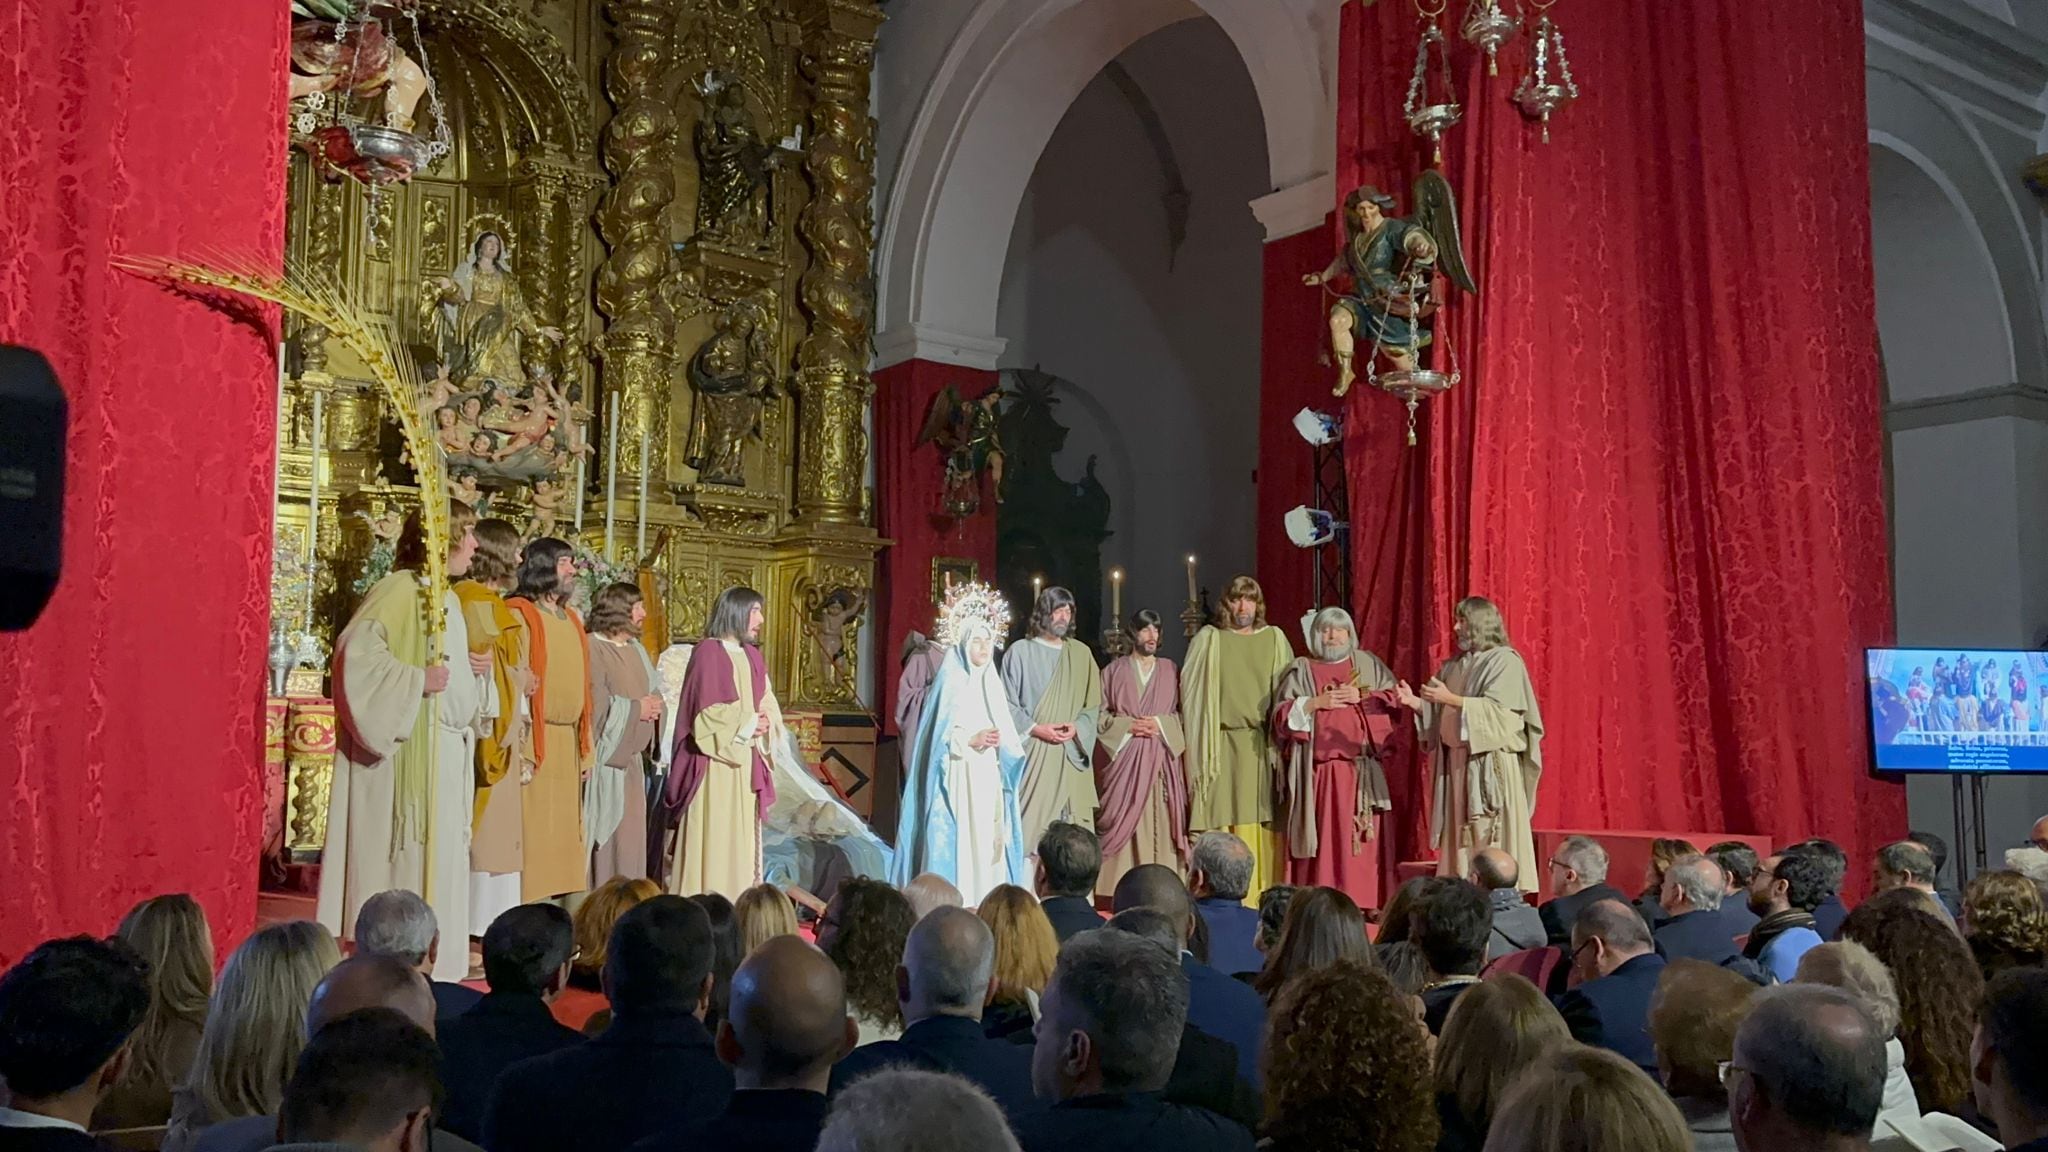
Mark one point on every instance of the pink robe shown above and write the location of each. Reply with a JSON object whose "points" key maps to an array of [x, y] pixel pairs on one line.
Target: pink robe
{"points": [[1133, 767]]}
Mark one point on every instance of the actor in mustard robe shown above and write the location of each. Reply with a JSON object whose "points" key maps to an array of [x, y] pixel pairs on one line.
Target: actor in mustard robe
{"points": [[1226, 704], [496, 849], [551, 804], [1143, 816], [720, 783]]}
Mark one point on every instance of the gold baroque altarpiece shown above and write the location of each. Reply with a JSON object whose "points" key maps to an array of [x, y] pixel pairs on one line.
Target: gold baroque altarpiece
{"points": [[681, 192]]}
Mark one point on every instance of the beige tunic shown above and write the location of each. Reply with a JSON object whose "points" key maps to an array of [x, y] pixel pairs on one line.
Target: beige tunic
{"points": [[552, 803], [718, 846], [619, 680], [1486, 758]]}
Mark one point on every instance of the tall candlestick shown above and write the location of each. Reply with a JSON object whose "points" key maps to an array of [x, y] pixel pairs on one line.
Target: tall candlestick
{"points": [[640, 536], [1037, 582], [1116, 594], [313, 501], [611, 473], [582, 481], [1192, 594]]}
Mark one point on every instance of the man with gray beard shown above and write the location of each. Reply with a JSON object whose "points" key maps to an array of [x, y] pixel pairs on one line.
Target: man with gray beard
{"points": [[1055, 696]]}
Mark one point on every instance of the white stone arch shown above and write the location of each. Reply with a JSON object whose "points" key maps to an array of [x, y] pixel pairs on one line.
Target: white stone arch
{"points": [[1001, 88], [1907, 119]]}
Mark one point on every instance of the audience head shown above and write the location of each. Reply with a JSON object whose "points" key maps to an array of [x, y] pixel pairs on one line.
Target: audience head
{"points": [[905, 1110], [1222, 866], [2030, 862], [596, 916], [1347, 1065], [1851, 967], [1691, 884], [1111, 1018], [1396, 918], [1580, 1099], [1578, 864], [1159, 888], [1069, 861], [929, 890], [659, 959], [949, 965], [171, 935], [67, 1012], [1790, 881], [1663, 851], [1273, 904], [1607, 935], [1738, 863], [1834, 862], [1809, 1068], [1150, 924], [2008, 1061], [1025, 942], [2003, 914], [1323, 927], [1693, 1017], [256, 1022], [527, 951], [1939, 989], [1404, 966], [1450, 924], [863, 931], [1494, 870], [371, 980], [1495, 1029], [788, 1023], [1937, 850], [368, 1080], [725, 952], [1904, 864], [2038, 837], [398, 923], [764, 912]]}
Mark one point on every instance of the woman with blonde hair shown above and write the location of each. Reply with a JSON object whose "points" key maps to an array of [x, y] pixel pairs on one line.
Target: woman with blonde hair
{"points": [[1854, 969], [1580, 1099], [1694, 1015], [582, 1005], [764, 912], [1026, 948], [2004, 922], [1664, 852], [1494, 1030], [170, 932], [255, 1029]]}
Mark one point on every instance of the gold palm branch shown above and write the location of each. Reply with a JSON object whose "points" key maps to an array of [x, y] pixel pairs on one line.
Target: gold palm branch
{"points": [[318, 299]]}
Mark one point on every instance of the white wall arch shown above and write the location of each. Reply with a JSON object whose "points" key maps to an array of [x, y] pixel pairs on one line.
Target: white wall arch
{"points": [[996, 93]]}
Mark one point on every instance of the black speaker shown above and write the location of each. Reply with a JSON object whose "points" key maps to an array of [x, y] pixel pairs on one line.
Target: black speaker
{"points": [[32, 424]]}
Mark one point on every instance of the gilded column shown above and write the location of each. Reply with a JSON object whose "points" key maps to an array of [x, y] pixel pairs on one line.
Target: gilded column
{"points": [[837, 288], [640, 331]]}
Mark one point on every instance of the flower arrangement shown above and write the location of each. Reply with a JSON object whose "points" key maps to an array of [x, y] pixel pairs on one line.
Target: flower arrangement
{"points": [[593, 572]]}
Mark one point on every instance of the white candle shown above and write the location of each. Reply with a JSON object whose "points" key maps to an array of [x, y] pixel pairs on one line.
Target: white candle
{"points": [[611, 474], [1116, 594], [313, 501], [1036, 583], [640, 537], [1192, 594], [583, 438]]}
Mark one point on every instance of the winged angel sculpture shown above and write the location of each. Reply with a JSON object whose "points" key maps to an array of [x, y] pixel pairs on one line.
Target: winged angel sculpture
{"points": [[965, 430], [1393, 262]]}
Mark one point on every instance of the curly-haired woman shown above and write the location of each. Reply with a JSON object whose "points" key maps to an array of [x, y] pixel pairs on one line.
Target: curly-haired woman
{"points": [[863, 931], [2005, 923], [1347, 1066], [1939, 987]]}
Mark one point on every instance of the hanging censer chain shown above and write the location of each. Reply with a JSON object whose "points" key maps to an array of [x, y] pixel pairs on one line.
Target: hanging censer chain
{"points": [[1487, 27], [443, 142], [1424, 117], [1538, 95]]}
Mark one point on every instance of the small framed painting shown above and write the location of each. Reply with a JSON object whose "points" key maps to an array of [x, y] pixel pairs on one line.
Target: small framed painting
{"points": [[948, 571]]}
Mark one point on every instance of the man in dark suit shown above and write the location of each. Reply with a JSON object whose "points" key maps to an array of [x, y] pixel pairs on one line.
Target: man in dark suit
{"points": [[1105, 1040], [1807, 1073], [67, 1012], [367, 1080], [1069, 860], [1450, 926], [401, 924], [1517, 925], [947, 974], [653, 1070], [1738, 863], [1578, 875], [1205, 1071], [526, 961], [2011, 1066], [1221, 876], [1937, 848], [1224, 1008], [786, 1027], [1696, 929], [1618, 967]]}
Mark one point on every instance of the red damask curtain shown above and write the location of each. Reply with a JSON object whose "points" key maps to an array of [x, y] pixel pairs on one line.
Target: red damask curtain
{"points": [[130, 715], [1665, 458]]}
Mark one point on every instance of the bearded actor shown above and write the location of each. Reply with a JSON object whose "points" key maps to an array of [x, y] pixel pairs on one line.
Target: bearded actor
{"points": [[498, 634], [1479, 721], [1055, 698], [721, 783], [1142, 817], [1226, 705], [559, 755], [628, 713], [1334, 721], [399, 808]]}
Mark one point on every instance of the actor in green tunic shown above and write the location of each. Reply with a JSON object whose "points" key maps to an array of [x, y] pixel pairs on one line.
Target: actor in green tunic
{"points": [[1055, 695]]}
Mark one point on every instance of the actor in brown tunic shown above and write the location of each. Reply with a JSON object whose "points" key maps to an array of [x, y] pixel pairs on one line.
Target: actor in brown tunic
{"points": [[628, 715]]}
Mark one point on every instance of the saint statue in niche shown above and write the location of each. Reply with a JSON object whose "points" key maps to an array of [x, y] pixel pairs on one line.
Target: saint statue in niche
{"points": [[733, 167], [479, 319], [733, 376]]}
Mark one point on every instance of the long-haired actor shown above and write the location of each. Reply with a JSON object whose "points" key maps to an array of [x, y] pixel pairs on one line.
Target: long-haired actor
{"points": [[555, 761], [498, 633], [721, 782], [1234, 662], [1055, 703]]}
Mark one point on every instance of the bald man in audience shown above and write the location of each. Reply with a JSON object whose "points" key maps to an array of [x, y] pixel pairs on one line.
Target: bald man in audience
{"points": [[786, 1027], [1205, 1068], [929, 891], [946, 978], [1217, 1004], [1618, 967], [1516, 923]]}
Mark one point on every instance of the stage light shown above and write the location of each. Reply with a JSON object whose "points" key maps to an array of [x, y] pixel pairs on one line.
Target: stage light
{"points": [[1310, 527], [1316, 428]]}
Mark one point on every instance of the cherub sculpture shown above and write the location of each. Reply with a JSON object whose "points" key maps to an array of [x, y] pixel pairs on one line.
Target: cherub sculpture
{"points": [[364, 62], [1393, 262], [965, 430]]}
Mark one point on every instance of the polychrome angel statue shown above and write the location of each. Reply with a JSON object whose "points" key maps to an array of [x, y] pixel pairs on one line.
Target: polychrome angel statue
{"points": [[1393, 262], [965, 430]]}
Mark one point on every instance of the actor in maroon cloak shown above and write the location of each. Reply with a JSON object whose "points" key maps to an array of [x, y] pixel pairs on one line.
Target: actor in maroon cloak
{"points": [[720, 784], [1142, 791]]}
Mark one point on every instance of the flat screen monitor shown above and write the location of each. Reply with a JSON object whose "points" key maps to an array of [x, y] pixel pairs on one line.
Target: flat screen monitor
{"points": [[1958, 711]]}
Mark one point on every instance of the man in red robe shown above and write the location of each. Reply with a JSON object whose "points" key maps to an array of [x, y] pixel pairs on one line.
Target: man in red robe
{"points": [[1142, 816], [1334, 717]]}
